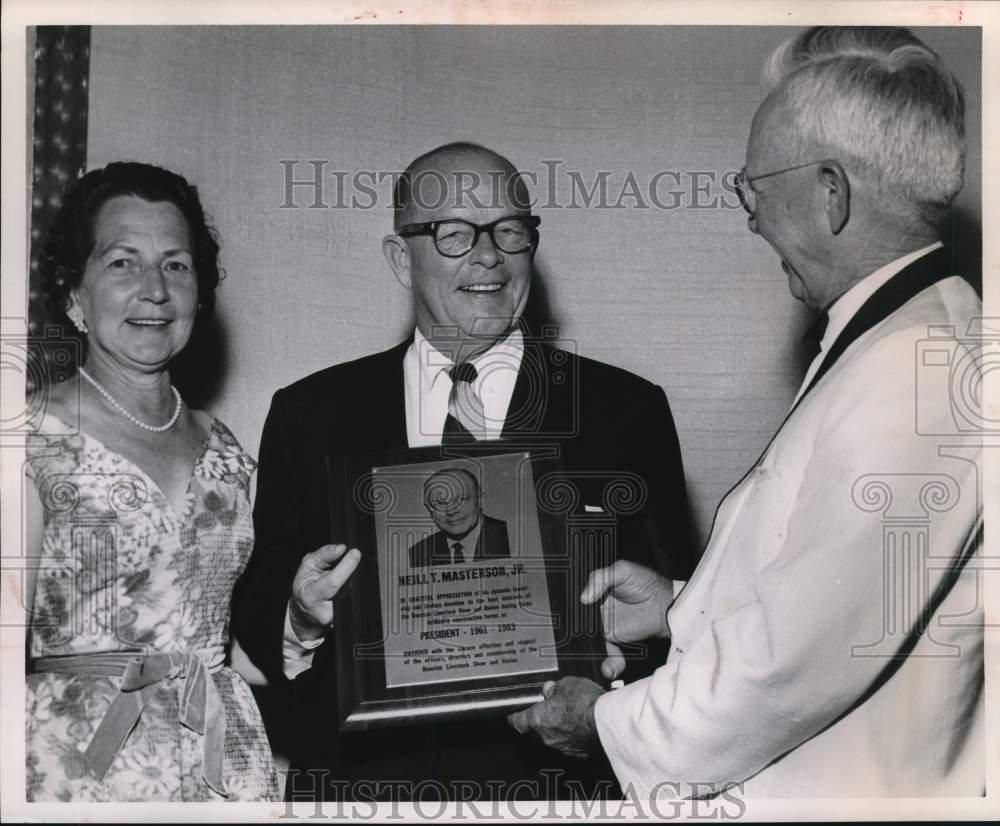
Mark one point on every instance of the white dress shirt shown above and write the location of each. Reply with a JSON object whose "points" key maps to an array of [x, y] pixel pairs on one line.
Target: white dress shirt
{"points": [[427, 387]]}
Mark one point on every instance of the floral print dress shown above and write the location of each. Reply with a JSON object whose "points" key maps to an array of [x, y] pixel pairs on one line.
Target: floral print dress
{"points": [[122, 572]]}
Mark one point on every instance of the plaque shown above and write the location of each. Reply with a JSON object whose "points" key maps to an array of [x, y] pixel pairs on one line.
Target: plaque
{"points": [[462, 604]]}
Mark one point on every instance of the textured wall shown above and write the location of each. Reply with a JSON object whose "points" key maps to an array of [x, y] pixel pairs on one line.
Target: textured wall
{"points": [[686, 297]]}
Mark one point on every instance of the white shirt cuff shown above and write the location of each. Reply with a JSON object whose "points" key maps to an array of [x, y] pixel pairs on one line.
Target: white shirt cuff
{"points": [[297, 655]]}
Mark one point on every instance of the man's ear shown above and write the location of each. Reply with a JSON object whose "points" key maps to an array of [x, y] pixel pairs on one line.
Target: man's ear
{"points": [[837, 192], [398, 255]]}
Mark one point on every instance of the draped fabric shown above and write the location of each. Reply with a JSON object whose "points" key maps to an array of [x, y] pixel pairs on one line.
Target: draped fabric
{"points": [[59, 156]]}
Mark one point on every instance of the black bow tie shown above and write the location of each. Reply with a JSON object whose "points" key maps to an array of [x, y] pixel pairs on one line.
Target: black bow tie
{"points": [[814, 334]]}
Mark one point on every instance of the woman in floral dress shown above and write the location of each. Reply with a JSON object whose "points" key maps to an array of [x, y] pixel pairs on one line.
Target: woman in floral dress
{"points": [[139, 513]]}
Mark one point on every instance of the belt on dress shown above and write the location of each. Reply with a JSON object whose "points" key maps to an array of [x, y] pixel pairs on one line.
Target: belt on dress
{"points": [[142, 675]]}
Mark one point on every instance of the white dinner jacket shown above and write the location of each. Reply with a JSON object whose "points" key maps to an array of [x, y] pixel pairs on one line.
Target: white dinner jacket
{"points": [[797, 663]]}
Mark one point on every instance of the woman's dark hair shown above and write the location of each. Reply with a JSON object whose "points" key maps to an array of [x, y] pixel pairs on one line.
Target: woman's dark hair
{"points": [[71, 239]]}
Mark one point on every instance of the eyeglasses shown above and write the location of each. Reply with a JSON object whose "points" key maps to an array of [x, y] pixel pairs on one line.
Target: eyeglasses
{"points": [[454, 238], [746, 193]]}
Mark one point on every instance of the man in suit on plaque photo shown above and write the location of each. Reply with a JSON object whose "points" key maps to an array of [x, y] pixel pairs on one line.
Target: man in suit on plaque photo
{"points": [[454, 501], [463, 243], [830, 643]]}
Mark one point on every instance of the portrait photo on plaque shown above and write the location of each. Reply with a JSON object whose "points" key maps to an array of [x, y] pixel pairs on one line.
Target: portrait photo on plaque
{"points": [[461, 572], [456, 608]]}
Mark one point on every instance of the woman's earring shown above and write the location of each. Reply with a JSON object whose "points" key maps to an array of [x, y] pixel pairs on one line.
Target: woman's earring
{"points": [[76, 316]]}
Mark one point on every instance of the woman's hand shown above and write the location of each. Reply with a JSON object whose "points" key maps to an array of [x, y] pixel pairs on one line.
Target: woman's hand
{"points": [[320, 576]]}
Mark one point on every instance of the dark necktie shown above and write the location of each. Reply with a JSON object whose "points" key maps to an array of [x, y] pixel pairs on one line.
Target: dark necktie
{"points": [[457, 557], [466, 420]]}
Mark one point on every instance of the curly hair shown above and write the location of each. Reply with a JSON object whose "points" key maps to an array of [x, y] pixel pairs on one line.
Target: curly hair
{"points": [[71, 239]]}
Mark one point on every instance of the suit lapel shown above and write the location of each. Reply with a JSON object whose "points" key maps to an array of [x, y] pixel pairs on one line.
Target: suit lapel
{"points": [[537, 402], [891, 296], [387, 400], [479, 552], [904, 285], [521, 415]]}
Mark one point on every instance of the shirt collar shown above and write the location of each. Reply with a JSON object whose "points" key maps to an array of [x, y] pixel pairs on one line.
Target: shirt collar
{"points": [[431, 362], [844, 308]]}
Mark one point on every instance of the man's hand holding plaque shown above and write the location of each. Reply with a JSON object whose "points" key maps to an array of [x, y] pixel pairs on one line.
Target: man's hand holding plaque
{"points": [[320, 577], [634, 602]]}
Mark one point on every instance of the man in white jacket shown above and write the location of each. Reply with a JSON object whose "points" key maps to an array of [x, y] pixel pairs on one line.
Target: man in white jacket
{"points": [[830, 642]]}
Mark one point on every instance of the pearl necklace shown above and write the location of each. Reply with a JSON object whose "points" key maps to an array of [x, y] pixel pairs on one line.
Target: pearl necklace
{"points": [[138, 423]]}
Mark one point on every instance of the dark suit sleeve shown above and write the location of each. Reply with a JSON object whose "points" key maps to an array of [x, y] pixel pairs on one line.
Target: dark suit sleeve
{"points": [[665, 517], [261, 596], [499, 540]]}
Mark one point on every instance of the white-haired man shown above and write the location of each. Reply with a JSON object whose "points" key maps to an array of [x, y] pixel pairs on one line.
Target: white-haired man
{"points": [[830, 642]]}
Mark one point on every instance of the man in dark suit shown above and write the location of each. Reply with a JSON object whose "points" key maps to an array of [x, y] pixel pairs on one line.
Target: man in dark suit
{"points": [[465, 534], [464, 241]]}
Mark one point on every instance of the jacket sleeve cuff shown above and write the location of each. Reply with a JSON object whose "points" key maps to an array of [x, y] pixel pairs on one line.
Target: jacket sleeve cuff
{"points": [[297, 655]]}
